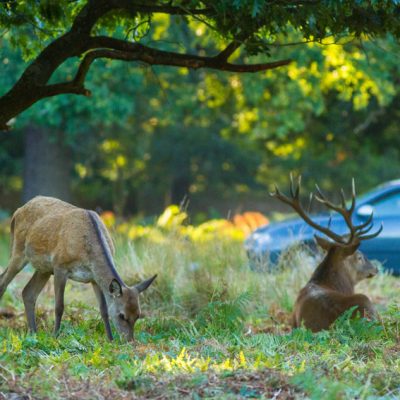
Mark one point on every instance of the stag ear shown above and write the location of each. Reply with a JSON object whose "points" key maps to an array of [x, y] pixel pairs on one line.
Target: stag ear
{"points": [[142, 286], [115, 288], [323, 243]]}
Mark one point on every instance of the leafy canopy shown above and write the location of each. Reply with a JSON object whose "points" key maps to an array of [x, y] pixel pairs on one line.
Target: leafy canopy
{"points": [[257, 22], [51, 33]]}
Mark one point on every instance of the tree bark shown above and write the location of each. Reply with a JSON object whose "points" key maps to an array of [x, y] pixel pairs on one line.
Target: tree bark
{"points": [[179, 189], [47, 165]]}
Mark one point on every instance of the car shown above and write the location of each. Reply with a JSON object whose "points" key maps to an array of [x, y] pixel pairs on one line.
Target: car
{"points": [[266, 243]]}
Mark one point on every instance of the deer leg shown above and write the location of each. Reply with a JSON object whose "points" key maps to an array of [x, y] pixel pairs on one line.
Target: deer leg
{"points": [[364, 306], [16, 264], [30, 294], [60, 280], [103, 310]]}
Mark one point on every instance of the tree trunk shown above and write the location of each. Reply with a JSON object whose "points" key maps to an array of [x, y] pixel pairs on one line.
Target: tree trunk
{"points": [[179, 189], [47, 165]]}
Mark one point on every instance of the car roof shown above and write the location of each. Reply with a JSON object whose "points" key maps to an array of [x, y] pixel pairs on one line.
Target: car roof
{"points": [[374, 194], [379, 191], [394, 182]]}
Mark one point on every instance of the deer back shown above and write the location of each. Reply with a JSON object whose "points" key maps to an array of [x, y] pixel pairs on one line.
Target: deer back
{"points": [[52, 232]]}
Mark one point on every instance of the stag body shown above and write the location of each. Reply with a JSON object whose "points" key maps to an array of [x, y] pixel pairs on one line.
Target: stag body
{"points": [[68, 242], [330, 291]]}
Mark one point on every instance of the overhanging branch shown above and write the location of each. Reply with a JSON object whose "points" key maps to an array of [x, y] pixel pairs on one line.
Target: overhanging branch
{"points": [[128, 51], [33, 84], [229, 50]]}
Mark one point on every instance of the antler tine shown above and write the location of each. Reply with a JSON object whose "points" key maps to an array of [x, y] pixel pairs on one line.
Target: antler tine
{"points": [[329, 221], [295, 203], [321, 198], [365, 224], [364, 231], [297, 191], [280, 196], [275, 193], [291, 185], [343, 197], [343, 211], [372, 235], [353, 196], [311, 198], [357, 233]]}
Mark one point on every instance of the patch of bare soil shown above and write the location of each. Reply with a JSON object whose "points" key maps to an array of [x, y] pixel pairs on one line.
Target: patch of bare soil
{"points": [[7, 313]]}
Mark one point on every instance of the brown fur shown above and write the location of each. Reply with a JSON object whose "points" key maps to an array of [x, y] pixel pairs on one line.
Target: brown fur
{"points": [[68, 242], [330, 291]]}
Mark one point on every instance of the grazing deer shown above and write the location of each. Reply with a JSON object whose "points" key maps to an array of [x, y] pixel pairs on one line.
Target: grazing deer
{"points": [[68, 242], [330, 291]]}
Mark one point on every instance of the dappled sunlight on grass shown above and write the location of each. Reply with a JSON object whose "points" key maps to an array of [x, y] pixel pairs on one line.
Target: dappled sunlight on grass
{"points": [[214, 328]]}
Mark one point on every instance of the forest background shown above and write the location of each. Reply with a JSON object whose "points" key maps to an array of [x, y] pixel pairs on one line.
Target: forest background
{"points": [[152, 136]]}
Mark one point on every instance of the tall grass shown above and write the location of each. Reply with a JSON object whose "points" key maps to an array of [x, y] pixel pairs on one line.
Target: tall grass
{"points": [[214, 276], [4, 249], [190, 276], [193, 277], [208, 312]]}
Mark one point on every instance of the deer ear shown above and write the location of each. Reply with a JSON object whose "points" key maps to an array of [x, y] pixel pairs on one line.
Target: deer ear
{"points": [[142, 286], [115, 288], [323, 243]]}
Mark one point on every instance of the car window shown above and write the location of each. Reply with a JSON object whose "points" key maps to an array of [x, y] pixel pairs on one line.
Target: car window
{"points": [[388, 206]]}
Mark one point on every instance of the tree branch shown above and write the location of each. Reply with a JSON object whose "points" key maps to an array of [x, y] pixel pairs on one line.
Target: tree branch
{"points": [[139, 52], [63, 88], [33, 84], [127, 51], [163, 9], [229, 50]]}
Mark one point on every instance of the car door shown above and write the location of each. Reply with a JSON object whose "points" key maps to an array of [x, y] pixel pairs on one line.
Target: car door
{"points": [[385, 247]]}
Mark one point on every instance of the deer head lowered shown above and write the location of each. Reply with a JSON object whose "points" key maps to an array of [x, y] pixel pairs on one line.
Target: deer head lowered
{"points": [[68, 242], [330, 291]]}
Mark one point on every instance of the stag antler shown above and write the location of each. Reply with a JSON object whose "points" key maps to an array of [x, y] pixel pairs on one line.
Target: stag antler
{"points": [[357, 232]]}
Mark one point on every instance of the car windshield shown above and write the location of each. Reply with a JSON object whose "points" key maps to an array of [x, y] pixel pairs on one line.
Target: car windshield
{"points": [[389, 205]]}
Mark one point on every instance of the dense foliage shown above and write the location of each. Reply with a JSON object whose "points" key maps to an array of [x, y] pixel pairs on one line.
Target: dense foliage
{"points": [[53, 33], [149, 140], [151, 135]]}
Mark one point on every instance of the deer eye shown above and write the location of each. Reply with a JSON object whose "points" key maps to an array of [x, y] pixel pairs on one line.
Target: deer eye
{"points": [[122, 316]]}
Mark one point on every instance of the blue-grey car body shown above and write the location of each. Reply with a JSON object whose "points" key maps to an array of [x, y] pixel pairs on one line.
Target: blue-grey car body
{"points": [[266, 243]]}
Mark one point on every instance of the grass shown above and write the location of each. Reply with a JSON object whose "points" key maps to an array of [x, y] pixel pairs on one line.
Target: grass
{"points": [[215, 329]]}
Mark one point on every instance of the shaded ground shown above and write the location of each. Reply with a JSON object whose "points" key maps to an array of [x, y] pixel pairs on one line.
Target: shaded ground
{"points": [[240, 385]]}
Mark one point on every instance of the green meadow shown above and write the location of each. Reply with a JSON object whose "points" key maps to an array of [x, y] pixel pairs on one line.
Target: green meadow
{"points": [[213, 329]]}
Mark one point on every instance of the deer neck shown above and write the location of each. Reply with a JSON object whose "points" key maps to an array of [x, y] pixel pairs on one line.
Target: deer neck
{"points": [[104, 270], [103, 267], [103, 275], [331, 273]]}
